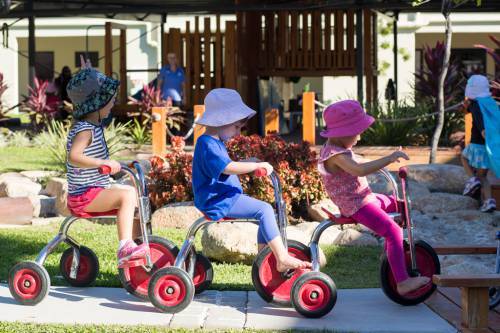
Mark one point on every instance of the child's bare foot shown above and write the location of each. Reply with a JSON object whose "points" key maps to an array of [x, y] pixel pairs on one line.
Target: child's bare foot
{"points": [[290, 262], [412, 284]]}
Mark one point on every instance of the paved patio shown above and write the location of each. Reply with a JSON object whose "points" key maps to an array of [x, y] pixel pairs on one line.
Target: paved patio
{"points": [[357, 310]]}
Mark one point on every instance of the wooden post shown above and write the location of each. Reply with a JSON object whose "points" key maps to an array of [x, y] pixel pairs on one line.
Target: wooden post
{"points": [[198, 130], [159, 131], [108, 49], [123, 66], [272, 123], [308, 118], [468, 127], [474, 307]]}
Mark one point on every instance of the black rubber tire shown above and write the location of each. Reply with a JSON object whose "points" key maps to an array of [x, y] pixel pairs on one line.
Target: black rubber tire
{"points": [[325, 291], [203, 273], [28, 272], [91, 268], [140, 284], [387, 280], [279, 293], [181, 285], [494, 295]]}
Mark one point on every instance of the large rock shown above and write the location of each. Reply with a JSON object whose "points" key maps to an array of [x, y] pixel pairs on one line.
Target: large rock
{"points": [[43, 206], [177, 215], [15, 185], [457, 227], [16, 211], [58, 188], [38, 175], [439, 177], [237, 242], [353, 237], [417, 190], [442, 203], [316, 212], [230, 242], [303, 232]]}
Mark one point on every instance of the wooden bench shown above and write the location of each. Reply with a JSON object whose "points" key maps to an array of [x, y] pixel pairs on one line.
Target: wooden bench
{"points": [[464, 249], [474, 296]]}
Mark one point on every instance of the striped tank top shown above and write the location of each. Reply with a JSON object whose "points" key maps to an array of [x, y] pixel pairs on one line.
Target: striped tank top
{"points": [[81, 179]]}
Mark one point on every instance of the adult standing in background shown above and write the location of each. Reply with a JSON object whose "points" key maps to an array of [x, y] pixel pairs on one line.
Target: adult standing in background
{"points": [[171, 81], [61, 83]]}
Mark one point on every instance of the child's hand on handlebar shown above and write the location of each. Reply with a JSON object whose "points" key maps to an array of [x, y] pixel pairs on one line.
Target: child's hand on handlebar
{"points": [[267, 166], [395, 156], [114, 165]]}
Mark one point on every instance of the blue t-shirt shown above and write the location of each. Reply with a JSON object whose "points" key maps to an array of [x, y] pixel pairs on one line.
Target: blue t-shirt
{"points": [[214, 192], [172, 83]]}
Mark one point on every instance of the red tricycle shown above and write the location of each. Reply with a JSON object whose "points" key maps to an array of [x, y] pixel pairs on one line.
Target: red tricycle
{"points": [[314, 294]]}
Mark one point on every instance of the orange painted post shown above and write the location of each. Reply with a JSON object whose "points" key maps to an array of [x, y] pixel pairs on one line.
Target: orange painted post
{"points": [[468, 127], [272, 121], [198, 130], [159, 130], [308, 118]]}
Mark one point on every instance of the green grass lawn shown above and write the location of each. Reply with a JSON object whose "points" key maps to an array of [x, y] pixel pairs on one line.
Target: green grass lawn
{"points": [[25, 158], [350, 267], [57, 328]]}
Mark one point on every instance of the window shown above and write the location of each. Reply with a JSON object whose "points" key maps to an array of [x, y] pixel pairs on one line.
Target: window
{"points": [[93, 56], [44, 65], [470, 61]]}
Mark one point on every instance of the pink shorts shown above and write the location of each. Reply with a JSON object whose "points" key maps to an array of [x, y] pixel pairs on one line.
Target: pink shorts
{"points": [[78, 203]]}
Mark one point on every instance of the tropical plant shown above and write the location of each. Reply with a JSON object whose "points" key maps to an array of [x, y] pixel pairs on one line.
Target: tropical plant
{"points": [[426, 81], [18, 139], [151, 97], [54, 137], [139, 133], [495, 85], [36, 105], [446, 8]]}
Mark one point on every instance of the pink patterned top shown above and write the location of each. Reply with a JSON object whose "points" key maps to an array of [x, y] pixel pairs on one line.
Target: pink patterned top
{"points": [[348, 192]]}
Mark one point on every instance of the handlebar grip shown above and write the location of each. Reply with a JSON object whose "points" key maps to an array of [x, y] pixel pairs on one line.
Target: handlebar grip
{"points": [[403, 172], [104, 169], [260, 172]]}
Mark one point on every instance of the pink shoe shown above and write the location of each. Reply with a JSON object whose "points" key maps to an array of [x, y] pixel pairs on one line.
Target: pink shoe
{"points": [[131, 251]]}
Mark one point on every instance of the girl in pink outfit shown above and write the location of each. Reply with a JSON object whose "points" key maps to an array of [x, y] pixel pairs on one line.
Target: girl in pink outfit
{"points": [[346, 184]]}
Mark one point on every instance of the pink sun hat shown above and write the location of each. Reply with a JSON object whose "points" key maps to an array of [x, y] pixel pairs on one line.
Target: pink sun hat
{"points": [[345, 118]]}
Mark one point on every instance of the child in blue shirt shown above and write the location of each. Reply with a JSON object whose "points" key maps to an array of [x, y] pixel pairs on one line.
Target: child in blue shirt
{"points": [[217, 189]]}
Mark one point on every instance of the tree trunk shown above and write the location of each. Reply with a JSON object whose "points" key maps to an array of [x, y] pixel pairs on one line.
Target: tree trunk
{"points": [[440, 99]]}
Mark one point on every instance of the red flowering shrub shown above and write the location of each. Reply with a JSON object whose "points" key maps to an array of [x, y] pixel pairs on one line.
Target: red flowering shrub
{"points": [[171, 176], [294, 163]]}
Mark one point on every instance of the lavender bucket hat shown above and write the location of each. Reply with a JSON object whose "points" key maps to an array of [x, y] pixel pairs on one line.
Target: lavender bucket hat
{"points": [[223, 107], [477, 86]]}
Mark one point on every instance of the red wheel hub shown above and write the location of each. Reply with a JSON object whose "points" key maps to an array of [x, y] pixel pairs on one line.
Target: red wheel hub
{"points": [[27, 283], [170, 290], [272, 280], [83, 271], [138, 278], [314, 294]]}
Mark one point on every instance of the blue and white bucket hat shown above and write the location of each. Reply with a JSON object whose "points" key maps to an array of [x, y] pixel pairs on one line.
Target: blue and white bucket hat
{"points": [[90, 90], [477, 86], [223, 107]]}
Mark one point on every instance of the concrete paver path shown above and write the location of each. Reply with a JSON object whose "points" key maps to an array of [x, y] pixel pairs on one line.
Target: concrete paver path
{"points": [[357, 310]]}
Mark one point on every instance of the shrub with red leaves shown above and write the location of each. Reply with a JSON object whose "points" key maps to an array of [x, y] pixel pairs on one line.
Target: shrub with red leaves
{"points": [[495, 84], [171, 176], [36, 105], [294, 163]]}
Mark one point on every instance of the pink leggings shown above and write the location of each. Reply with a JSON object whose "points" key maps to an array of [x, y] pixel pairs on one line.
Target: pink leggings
{"points": [[374, 216]]}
